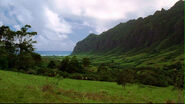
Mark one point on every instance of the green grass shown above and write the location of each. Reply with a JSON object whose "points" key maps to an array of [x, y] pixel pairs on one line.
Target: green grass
{"points": [[158, 59], [21, 88]]}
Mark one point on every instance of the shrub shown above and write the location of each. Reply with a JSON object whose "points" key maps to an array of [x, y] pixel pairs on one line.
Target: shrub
{"points": [[86, 62], [75, 66], [63, 74], [102, 68], [51, 72], [91, 76], [64, 65], [31, 71], [71, 65], [51, 65], [179, 79], [25, 61], [76, 76], [40, 71], [150, 77], [125, 76], [3, 62], [37, 58]]}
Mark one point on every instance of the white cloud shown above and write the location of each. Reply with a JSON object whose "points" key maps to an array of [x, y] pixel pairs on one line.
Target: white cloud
{"points": [[98, 9], [101, 13], [1, 23], [55, 23], [165, 3], [56, 20]]}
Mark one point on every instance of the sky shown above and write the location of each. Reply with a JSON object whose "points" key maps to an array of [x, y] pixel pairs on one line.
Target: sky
{"points": [[60, 24]]}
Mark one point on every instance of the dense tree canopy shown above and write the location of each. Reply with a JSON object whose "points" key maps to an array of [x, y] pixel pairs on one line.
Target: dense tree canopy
{"points": [[16, 48]]}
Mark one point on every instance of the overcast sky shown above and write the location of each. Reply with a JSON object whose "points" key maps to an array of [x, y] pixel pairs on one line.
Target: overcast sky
{"points": [[62, 23]]}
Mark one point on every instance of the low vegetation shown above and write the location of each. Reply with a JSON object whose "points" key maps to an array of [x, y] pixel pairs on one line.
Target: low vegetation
{"points": [[23, 88]]}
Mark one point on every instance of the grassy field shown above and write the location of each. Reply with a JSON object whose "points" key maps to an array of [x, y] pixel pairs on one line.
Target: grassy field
{"points": [[21, 88]]}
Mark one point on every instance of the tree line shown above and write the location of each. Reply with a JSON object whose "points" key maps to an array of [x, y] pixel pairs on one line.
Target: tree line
{"points": [[72, 67]]}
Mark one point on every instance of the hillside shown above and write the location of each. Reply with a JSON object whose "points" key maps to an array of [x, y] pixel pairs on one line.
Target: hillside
{"points": [[23, 88], [153, 34]]}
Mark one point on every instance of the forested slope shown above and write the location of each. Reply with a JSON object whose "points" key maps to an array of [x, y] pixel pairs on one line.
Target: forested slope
{"points": [[162, 30]]}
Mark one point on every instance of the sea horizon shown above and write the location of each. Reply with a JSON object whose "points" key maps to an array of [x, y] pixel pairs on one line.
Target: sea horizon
{"points": [[54, 53]]}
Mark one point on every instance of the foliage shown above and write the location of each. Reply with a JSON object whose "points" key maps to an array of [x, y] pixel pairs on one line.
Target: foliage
{"points": [[52, 65], [102, 68], [86, 62], [64, 65], [124, 77], [152, 77], [75, 65], [71, 65], [16, 48]]}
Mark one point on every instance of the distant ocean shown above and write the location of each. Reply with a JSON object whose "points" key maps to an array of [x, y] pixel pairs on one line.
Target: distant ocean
{"points": [[54, 53]]}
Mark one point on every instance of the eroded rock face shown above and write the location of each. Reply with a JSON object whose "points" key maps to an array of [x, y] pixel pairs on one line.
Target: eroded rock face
{"points": [[156, 32]]}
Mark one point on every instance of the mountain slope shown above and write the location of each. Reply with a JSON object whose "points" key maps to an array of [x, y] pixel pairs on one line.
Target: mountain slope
{"points": [[154, 33]]}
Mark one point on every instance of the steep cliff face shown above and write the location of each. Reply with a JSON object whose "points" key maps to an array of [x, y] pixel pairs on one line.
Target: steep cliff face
{"points": [[156, 32]]}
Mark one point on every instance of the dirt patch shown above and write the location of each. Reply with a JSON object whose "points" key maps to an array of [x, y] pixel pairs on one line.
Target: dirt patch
{"points": [[47, 88], [31, 87], [170, 102], [100, 96], [97, 96]]}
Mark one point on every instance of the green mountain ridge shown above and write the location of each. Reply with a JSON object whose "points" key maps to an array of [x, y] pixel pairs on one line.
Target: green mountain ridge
{"points": [[160, 31]]}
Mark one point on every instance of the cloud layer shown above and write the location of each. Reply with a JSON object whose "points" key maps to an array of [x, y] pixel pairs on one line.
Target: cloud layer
{"points": [[61, 23]]}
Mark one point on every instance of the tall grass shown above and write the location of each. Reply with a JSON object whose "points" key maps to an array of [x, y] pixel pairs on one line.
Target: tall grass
{"points": [[23, 88]]}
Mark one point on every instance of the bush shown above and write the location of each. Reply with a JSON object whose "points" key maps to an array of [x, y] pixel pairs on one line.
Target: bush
{"points": [[40, 71], [102, 68], [150, 77], [179, 79], [25, 61], [31, 71], [52, 65], [64, 74], [125, 76], [71, 65], [92, 76], [3, 62], [76, 76], [86, 62], [37, 58], [75, 66], [64, 65], [51, 72]]}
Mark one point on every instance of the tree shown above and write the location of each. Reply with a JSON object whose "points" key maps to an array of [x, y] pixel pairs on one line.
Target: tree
{"points": [[7, 47], [71, 65], [104, 73], [37, 58], [102, 68], [52, 65], [25, 41], [179, 80], [64, 65], [25, 49], [75, 65], [16, 48], [7, 39], [86, 62], [124, 77]]}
